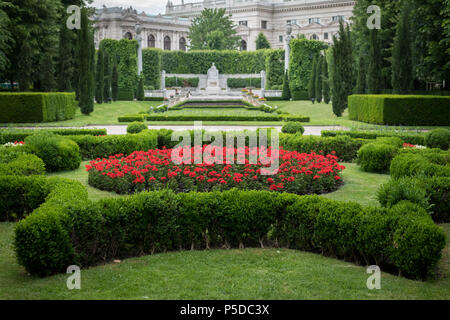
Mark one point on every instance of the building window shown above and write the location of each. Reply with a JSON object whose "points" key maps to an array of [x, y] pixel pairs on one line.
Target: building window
{"points": [[338, 18], [263, 24], [243, 45], [151, 41], [128, 36], [325, 35], [280, 38], [314, 20], [291, 21], [243, 23], [166, 43], [182, 44], [314, 37]]}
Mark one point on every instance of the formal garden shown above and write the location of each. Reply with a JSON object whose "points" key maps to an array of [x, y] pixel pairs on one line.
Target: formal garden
{"points": [[264, 211]]}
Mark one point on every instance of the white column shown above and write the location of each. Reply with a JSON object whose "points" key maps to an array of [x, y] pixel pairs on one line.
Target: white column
{"points": [[287, 53]]}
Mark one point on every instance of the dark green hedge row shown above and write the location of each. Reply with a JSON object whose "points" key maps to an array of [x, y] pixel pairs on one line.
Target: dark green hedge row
{"points": [[377, 156], [346, 148], [25, 107], [97, 147], [400, 109], [153, 99], [417, 138], [67, 229], [262, 117], [20, 163], [12, 135], [182, 82], [299, 95], [243, 82]]}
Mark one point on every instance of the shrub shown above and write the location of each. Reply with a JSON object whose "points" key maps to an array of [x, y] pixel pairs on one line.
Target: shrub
{"points": [[136, 127], [408, 137], [300, 95], [262, 117], [23, 164], [293, 127], [410, 164], [438, 192], [438, 138], [125, 94], [234, 83], [376, 157], [36, 107], [182, 82], [393, 141], [62, 232], [11, 135], [397, 190], [412, 110], [132, 118], [57, 152]]}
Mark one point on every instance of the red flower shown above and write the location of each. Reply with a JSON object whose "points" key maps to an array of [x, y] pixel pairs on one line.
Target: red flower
{"points": [[270, 180]]}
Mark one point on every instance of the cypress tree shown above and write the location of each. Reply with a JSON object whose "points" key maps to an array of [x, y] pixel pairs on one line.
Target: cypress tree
{"points": [[312, 80], [99, 77], [114, 81], [65, 66], [107, 77], [47, 71], [318, 78], [24, 67], [361, 79], [286, 94], [325, 81], [140, 90], [85, 64], [402, 69], [342, 70], [374, 76], [262, 42]]}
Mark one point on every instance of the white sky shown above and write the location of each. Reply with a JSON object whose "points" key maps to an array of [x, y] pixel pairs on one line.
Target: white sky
{"points": [[149, 6]]}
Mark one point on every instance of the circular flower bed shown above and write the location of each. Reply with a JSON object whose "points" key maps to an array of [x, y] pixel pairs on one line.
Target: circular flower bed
{"points": [[299, 173]]}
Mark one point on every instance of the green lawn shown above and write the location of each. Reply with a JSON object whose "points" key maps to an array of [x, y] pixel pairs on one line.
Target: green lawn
{"points": [[217, 274]]}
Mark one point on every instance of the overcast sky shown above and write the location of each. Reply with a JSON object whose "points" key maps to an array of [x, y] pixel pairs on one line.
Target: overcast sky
{"points": [[149, 6]]}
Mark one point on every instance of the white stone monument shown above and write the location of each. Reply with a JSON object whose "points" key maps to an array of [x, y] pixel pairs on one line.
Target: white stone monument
{"points": [[213, 83]]}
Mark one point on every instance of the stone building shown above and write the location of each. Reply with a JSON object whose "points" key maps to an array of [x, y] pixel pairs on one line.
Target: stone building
{"points": [[316, 19]]}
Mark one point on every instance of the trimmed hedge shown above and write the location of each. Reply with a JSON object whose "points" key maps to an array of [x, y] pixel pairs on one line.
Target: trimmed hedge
{"points": [[27, 107], [165, 117], [182, 82], [293, 127], [235, 83], [438, 138], [136, 127], [345, 148], [12, 135], [67, 229], [22, 164], [98, 147], [377, 156], [400, 109], [416, 138]]}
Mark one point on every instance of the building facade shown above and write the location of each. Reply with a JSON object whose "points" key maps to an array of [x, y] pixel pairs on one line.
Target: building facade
{"points": [[315, 19]]}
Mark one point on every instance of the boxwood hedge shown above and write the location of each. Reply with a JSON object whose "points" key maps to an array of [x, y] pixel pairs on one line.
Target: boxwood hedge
{"points": [[11, 135]]}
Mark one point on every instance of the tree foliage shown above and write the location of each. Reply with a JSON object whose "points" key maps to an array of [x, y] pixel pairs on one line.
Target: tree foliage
{"points": [[286, 93], [325, 81], [206, 29], [99, 76], [318, 79], [374, 76], [262, 42]]}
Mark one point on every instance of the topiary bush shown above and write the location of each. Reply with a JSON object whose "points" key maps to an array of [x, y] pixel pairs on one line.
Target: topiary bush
{"points": [[293, 127], [438, 138], [136, 127], [22, 164], [376, 157], [397, 190], [57, 152]]}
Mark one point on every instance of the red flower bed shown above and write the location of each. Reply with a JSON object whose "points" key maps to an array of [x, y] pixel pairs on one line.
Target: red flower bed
{"points": [[299, 173], [408, 145]]}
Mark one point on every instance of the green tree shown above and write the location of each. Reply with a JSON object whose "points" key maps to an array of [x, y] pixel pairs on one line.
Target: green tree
{"points": [[114, 81], [286, 93], [312, 80], [5, 39], [140, 90], [99, 77], [374, 76], [107, 77], [318, 78], [66, 60], [325, 81], [402, 70], [215, 40], [86, 64], [213, 20], [262, 42], [361, 78], [342, 69]]}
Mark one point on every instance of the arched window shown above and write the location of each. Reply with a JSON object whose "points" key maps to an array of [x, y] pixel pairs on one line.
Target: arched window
{"points": [[166, 43], [314, 37], [128, 36], [151, 41], [182, 44], [325, 36], [243, 45]]}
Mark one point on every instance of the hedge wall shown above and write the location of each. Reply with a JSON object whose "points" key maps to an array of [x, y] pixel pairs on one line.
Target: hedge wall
{"points": [[12, 135], [151, 67], [26, 107], [234, 83], [416, 138], [67, 229], [274, 68], [182, 82], [173, 117], [400, 109]]}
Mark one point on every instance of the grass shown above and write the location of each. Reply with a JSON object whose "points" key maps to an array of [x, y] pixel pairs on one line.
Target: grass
{"points": [[217, 274]]}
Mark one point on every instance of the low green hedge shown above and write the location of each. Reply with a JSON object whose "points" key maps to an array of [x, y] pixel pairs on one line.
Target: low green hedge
{"points": [[182, 82], [22, 164], [408, 110], [299, 95], [67, 229], [377, 156], [165, 117], [136, 127], [408, 137], [125, 94], [293, 127], [438, 138], [153, 99], [345, 148], [25, 107], [57, 152], [97, 147], [235, 83], [12, 135]]}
